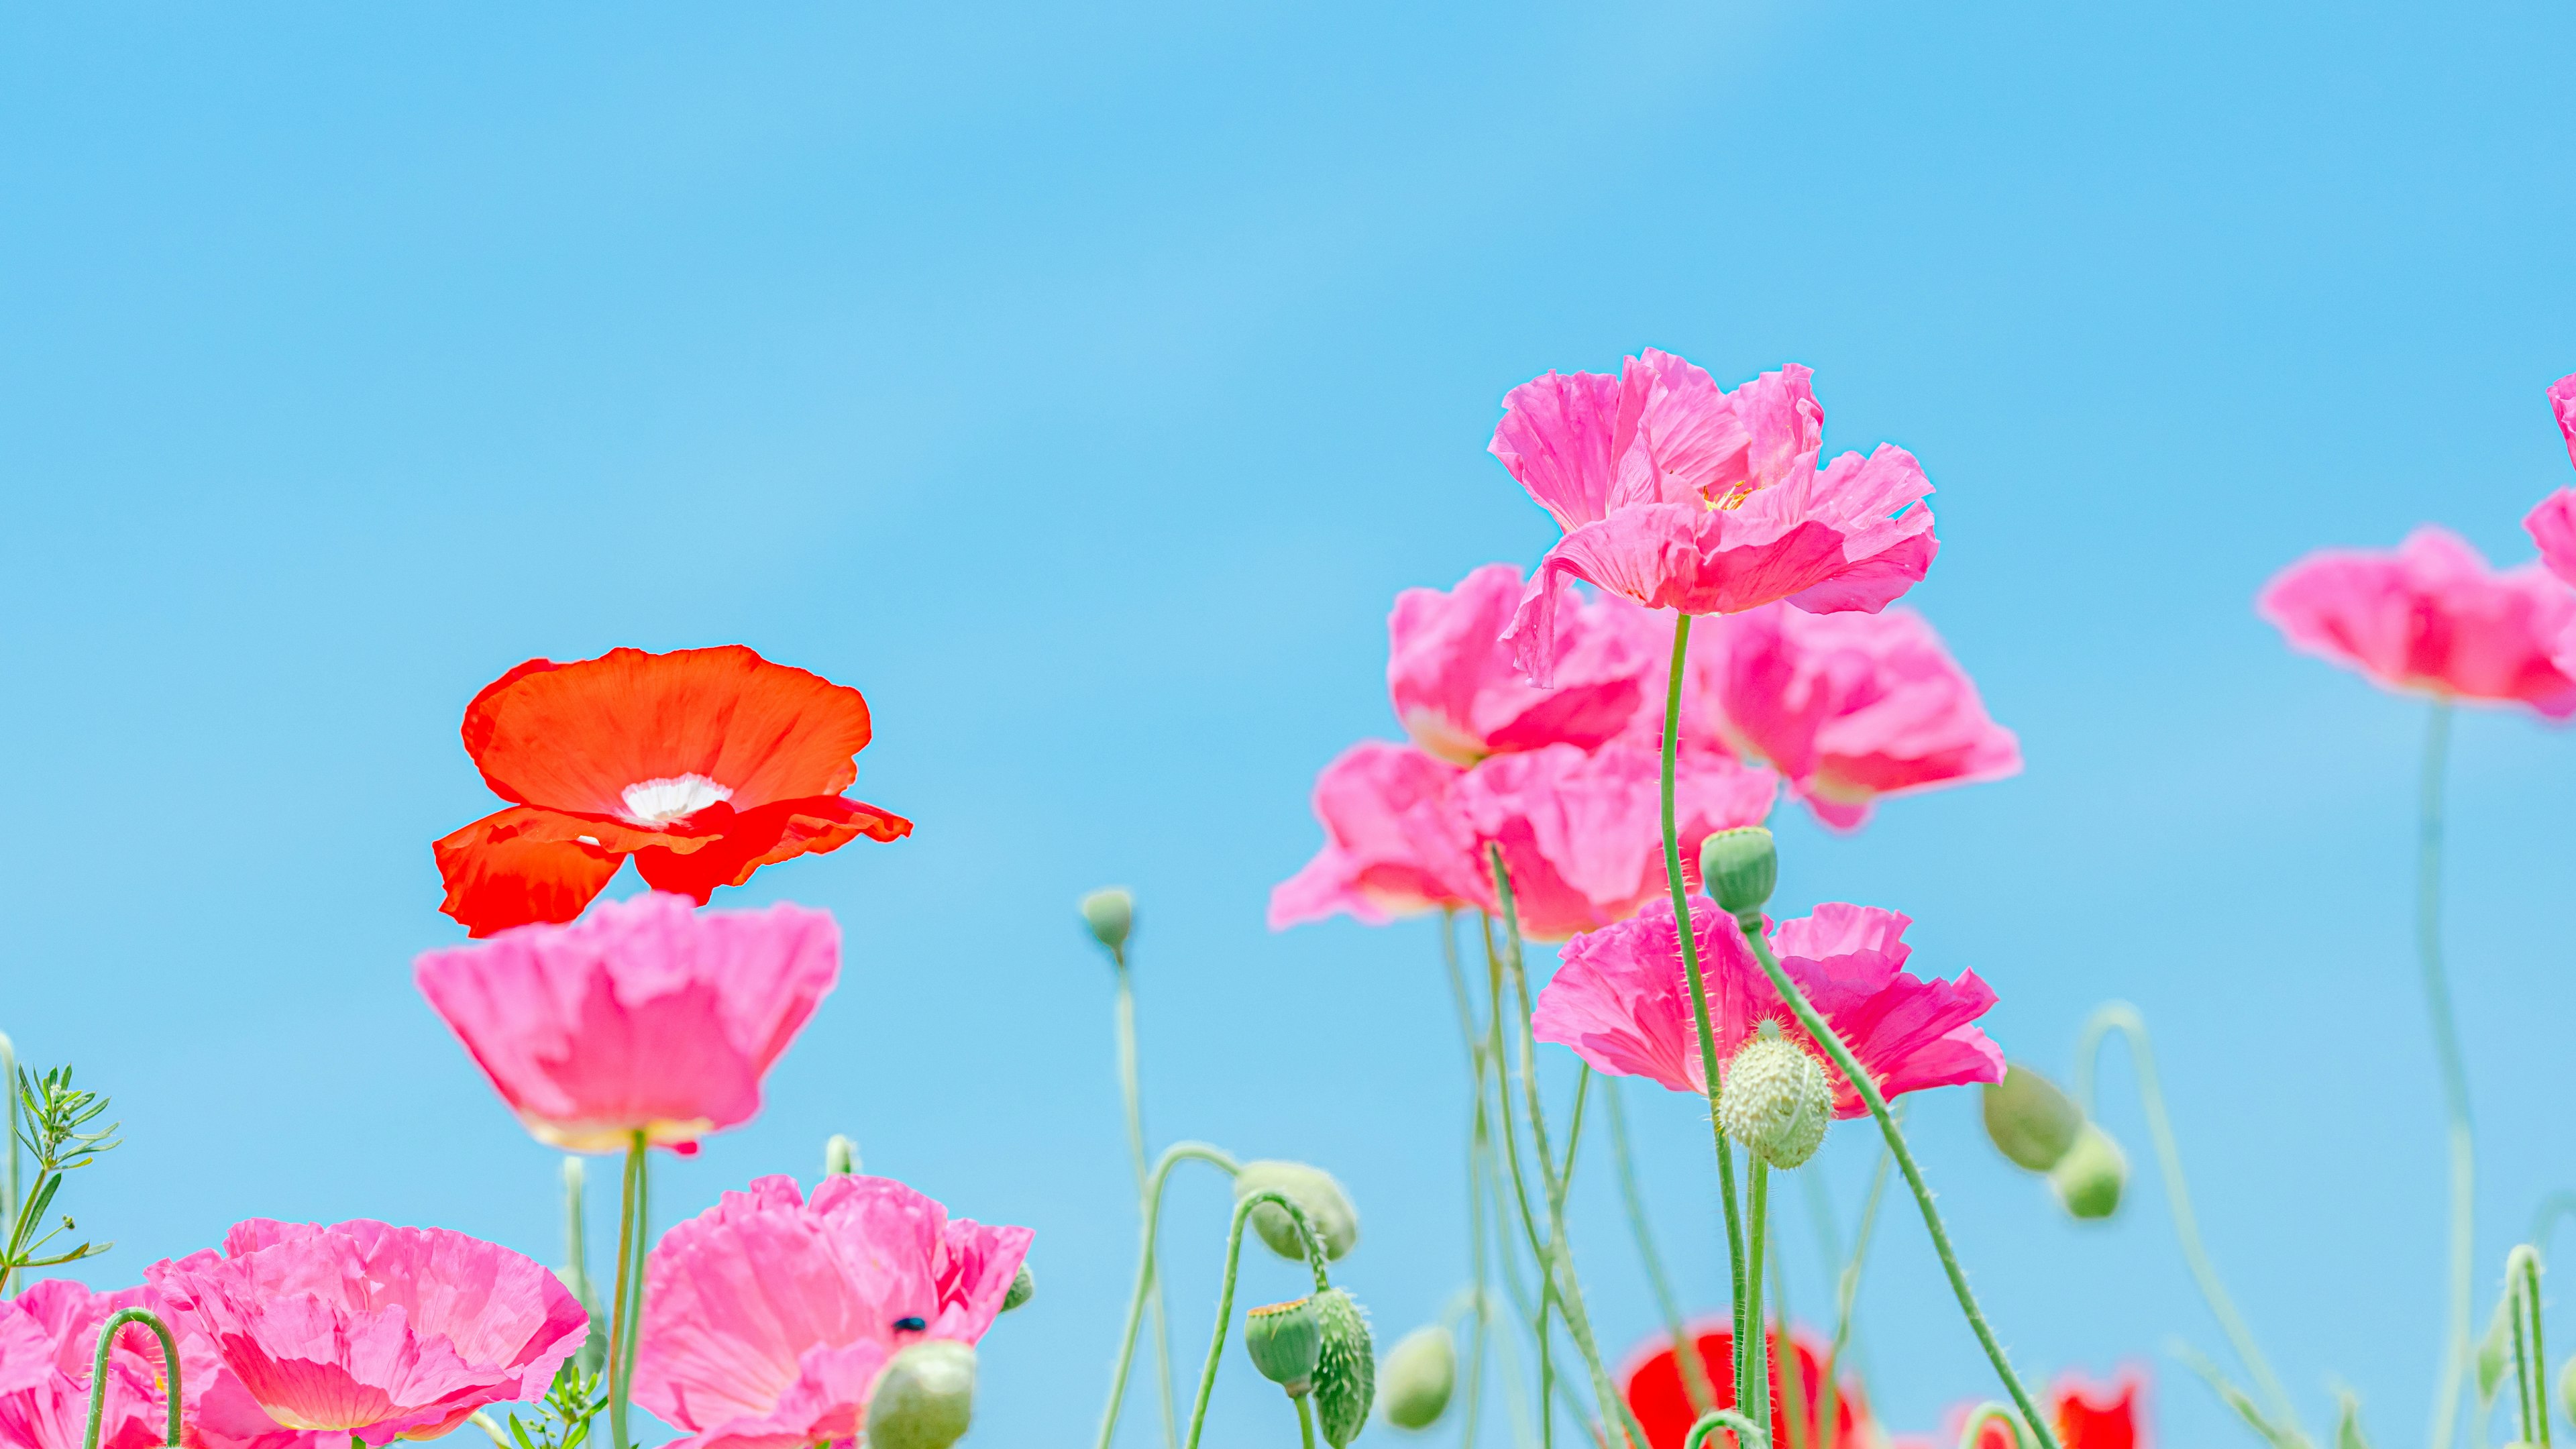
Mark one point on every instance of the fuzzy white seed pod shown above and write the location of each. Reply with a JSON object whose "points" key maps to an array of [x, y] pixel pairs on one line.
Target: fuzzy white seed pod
{"points": [[1777, 1101]]}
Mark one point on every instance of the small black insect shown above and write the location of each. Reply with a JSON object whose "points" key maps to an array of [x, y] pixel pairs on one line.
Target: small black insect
{"points": [[910, 1325]]}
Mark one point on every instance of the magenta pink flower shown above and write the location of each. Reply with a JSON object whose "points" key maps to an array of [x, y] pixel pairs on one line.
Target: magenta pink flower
{"points": [[1851, 707], [1393, 842], [768, 1315], [2431, 618], [2552, 525], [1462, 698], [1680, 496], [646, 1015], [376, 1331], [1582, 834], [48, 1335], [2562, 401], [1622, 1000]]}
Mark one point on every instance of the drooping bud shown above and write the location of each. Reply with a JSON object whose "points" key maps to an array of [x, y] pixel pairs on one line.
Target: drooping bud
{"points": [[1346, 1369], [1111, 914], [923, 1398], [1285, 1341], [1024, 1286], [1328, 1209], [2029, 1120], [1776, 1100], [840, 1155], [1418, 1375], [2089, 1178], [1739, 867]]}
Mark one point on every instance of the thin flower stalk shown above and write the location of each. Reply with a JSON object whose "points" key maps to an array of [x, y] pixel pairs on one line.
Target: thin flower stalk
{"points": [[98, 1371], [1131, 1097], [1793, 1372], [1847, 1292], [1225, 1291], [2455, 1080], [627, 1314], [2530, 1357], [1173, 1156], [1703, 1394], [1752, 1363]]}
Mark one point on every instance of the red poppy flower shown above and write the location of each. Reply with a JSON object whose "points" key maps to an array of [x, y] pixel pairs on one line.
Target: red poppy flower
{"points": [[2086, 1414], [1652, 1382], [703, 764]]}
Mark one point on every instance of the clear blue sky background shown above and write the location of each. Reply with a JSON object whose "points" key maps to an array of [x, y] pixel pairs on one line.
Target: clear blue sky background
{"points": [[1083, 383]]}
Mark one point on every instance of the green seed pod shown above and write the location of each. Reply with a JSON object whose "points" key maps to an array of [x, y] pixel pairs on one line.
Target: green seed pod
{"points": [[923, 1398], [1419, 1373], [1024, 1286], [1776, 1100], [1111, 915], [840, 1154], [1328, 1209], [2567, 1389], [2029, 1120], [1285, 1341], [2088, 1179], [1346, 1370], [1739, 867]]}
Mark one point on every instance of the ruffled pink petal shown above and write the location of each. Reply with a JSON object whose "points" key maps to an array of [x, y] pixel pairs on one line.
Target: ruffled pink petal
{"points": [[2562, 401], [1784, 426], [1556, 439], [1677, 435], [1393, 845], [2552, 525], [1461, 697]]}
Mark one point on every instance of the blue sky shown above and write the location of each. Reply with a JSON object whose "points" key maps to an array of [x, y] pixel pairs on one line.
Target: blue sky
{"points": [[1082, 384]]}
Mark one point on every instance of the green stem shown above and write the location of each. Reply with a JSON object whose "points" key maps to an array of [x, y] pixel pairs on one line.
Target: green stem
{"points": [[1825, 1036], [1225, 1293], [1753, 1374], [1467, 1034], [1691, 970], [1746, 1435], [2530, 1358], [1133, 1098], [1173, 1156], [1703, 1394], [2120, 1016], [2455, 1080], [622, 1324], [98, 1371], [1793, 1374], [1846, 1296], [1305, 1421], [1986, 1413]]}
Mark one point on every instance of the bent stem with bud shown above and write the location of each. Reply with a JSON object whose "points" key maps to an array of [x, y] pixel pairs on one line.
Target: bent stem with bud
{"points": [[98, 1371], [1243, 1211], [1173, 1156]]}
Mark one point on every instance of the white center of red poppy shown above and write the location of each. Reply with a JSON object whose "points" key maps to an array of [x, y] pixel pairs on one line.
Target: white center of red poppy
{"points": [[660, 802]]}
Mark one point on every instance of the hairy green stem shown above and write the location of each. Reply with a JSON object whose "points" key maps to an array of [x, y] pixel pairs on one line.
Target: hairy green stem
{"points": [[1133, 1098], [1793, 1375], [1753, 1373], [1825, 1036], [2530, 1357], [1990, 1412], [1695, 1384], [622, 1323], [2455, 1080], [2120, 1016], [1691, 970], [98, 1371], [1468, 1037], [1173, 1156], [1225, 1292], [1747, 1436], [1846, 1295]]}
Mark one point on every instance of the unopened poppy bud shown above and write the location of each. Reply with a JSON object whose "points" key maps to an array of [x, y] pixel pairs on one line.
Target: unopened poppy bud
{"points": [[840, 1155], [1328, 1209], [2567, 1389], [1346, 1369], [1285, 1340], [2029, 1120], [1024, 1286], [1418, 1375], [1776, 1100], [1739, 867], [1111, 914], [924, 1397], [2089, 1178]]}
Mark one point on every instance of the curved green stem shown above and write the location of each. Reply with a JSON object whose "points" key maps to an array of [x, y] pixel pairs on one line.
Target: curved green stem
{"points": [[1133, 1098], [1225, 1292], [1702, 1394], [1991, 1412], [2455, 1080], [1173, 1156], [1713, 1420], [1825, 1036], [1691, 970], [2120, 1016], [98, 1371]]}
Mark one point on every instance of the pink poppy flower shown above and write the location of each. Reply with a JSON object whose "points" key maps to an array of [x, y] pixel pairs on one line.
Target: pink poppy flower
{"points": [[1852, 707], [1582, 834], [2432, 618], [1461, 697], [645, 1015], [1622, 1000], [364, 1329], [2562, 401], [1393, 843], [48, 1337], [767, 1317], [1680, 496]]}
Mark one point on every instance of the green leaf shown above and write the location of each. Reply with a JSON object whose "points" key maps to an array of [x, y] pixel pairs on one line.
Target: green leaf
{"points": [[2348, 1424]]}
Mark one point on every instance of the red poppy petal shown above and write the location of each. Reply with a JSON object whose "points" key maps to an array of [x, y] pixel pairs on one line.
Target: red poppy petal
{"points": [[766, 836], [573, 737], [521, 865]]}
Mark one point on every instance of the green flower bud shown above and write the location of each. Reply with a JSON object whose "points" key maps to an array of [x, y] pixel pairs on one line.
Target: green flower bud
{"points": [[1346, 1370], [1024, 1286], [1328, 1209], [840, 1154], [1111, 914], [1776, 1100], [923, 1398], [2567, 1389], [2088, 1179], [2030, 1120], [1419, 1373], [1739, 867], [1285, 1341]]}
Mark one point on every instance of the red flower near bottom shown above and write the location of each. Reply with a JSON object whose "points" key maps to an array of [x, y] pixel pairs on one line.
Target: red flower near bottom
{"points": [[1652, 1382], [2086, 1415]]}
